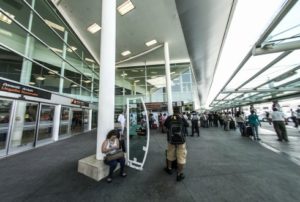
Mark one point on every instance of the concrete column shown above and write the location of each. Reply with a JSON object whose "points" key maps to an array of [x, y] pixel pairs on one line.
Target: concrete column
{"points": [[168, 78], [56, 122], [90, 119], [92, 84], [107, 74], [134, 88], [146, 85]]}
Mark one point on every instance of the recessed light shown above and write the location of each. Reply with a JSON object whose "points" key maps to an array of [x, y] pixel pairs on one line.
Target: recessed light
{"points": [[87, 81], [4, 18], [55, 26], [150, 43], [89, 60], [40, 78], [123, 74], [94, 28], [73, 48], [126, 53], [74, 85], [125, 7], [53, 72], [4, 32], [56, 49]]}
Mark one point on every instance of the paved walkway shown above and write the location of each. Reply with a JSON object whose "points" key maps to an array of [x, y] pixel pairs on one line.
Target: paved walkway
{"points": [[221, 166]]}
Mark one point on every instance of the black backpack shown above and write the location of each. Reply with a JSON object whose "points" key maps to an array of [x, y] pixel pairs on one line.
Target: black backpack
{"points": [[175, 133]]}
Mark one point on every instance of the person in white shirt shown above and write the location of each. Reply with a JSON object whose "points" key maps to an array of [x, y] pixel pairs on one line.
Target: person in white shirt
{"points": [[278, 119], [122, 121]]}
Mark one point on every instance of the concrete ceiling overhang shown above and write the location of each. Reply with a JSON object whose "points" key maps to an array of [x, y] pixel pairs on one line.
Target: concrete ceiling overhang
{"points": [[194, 30], [204, 24], [151, 19]]}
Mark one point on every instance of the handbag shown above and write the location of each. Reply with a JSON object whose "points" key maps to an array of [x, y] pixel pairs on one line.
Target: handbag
{"points": [[117, 155]]}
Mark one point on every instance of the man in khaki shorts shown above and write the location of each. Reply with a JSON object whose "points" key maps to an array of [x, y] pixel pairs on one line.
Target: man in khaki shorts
{"points": [[176, 144]]}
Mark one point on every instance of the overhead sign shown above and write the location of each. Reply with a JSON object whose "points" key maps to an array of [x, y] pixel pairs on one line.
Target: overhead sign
{"points": [[11, 87], [156, 106], [79, 102]]}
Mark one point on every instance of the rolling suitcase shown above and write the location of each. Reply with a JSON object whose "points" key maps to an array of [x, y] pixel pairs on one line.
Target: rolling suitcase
{"points": [[248, 131]]}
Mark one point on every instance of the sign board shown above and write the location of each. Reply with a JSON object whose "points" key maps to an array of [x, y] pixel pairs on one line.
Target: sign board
{"points": [[12, 87], [79, 102]]}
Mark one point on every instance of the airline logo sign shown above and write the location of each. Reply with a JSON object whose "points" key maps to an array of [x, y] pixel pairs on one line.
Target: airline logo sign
{"points": [[11, 87], [79, 102]]}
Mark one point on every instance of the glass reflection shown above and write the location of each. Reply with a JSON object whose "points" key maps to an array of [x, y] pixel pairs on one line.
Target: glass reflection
{"points": [[65, 122], [5, 112], [46, 122], [24, 126], [138, 135]]}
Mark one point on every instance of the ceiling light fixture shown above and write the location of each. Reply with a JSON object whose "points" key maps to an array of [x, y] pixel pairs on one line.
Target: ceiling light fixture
{"points": [[125, 7], [123, 74], [89, 60], [150, 43], [136, 81], [55, 26], [73, 48], [4, 18], [94, 28], [87, 81], [125, 53], [4, 32], [56, 49], [31, 83], [40, 78], [53, 72]]}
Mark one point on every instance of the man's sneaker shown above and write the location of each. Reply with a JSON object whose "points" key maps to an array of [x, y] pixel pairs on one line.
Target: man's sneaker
{"points": [[180, 177], [169, 171]]}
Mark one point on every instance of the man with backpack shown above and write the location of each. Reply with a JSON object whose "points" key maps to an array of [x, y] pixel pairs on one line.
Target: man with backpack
{"points": [[176, 143]]}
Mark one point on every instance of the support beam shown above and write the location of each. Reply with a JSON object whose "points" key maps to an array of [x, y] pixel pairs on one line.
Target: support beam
{"points": [[262, 90], [272, 48]]}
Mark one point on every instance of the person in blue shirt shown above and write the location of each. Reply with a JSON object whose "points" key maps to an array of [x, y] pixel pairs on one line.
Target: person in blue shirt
{"points": [[254, 122]]}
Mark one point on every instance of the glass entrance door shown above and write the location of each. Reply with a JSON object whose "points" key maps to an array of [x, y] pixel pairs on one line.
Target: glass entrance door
{"points": [[5, 117], [65, 122], [23, 127], [45, 126], [77, 121]]}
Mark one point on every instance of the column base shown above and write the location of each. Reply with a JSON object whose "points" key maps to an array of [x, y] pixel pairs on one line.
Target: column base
{"points": [[93, 168]]}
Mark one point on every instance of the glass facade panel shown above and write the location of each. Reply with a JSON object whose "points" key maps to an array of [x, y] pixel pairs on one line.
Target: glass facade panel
{"points": [[51, 19], [48, 36], [10, 65], [253, 65], [288, 28], [44, 78], [17, 10], [280, 68]]}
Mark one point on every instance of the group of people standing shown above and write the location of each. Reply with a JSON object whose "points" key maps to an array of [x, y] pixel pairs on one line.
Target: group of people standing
{"points": [[278, 120]]}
